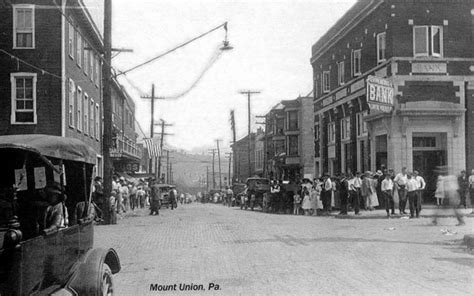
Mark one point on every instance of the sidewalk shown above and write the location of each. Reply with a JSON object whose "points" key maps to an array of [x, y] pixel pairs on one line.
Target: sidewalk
{"points": [[426, 211]]}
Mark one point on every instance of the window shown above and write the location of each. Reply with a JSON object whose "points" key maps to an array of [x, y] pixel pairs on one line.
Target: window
{"points": [[326, 82], [292, 120], [279, 147], [361, 128], [355, 64], [316, 88], [23, 98], [72, 92], [381, 46], [331, 133], [86, 58], [428, 40], [79, 49], [86, 114], [293, 145], [280, 125], [97, 70], [340, 73], [70, 40], [97, 121], [437, 41], [346, 128], [79, 109], [424, 142], [91, 63], [91, 117], [23, 26], [316, 132]]}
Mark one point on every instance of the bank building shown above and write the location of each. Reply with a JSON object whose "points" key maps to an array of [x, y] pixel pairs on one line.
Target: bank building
{"points": [[394, 87]]}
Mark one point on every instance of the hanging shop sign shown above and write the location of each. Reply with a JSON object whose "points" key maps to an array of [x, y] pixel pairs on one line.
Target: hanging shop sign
{"points": [[379, 94]]}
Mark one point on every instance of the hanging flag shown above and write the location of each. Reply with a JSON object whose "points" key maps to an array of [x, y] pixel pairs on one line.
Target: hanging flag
{"points": [[149, 147]]}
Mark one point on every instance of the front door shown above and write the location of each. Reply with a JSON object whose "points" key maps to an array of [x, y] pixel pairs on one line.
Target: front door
{"points": [[426, 163]]}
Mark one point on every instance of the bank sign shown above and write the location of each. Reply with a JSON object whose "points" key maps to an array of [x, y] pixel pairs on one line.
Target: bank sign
{"points": [[379, 94]]}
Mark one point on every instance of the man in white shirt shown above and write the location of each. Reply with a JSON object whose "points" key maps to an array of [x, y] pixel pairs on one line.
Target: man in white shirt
{"points": [[412, 188], [471, 188], [401, 183], [420, 182], [387, 191], [326, 197]]}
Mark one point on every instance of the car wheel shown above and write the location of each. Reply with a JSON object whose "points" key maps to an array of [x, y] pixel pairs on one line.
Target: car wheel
{"points": [[107, 283]]}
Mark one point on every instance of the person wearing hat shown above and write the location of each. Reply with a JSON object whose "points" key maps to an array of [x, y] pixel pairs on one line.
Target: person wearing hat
{"points": [[463, 188], [387, 191], [56, 215], [400, 182]]}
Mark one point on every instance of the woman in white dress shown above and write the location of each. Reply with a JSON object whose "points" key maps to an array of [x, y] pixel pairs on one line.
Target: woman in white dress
{"points": [[306, 201]]}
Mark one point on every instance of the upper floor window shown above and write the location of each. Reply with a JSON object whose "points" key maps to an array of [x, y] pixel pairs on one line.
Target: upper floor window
{"points": [[316, 88], [381, 46], [326, 82], [292, 120], [97, 70], [23, 98], [97, 121], [340, 73], [293, 145], [280, 125], [331, 133], [361, 128], [428, 41], [70, 45], [316, 132], [79, 109], [86, 57], [92, 116], [346, 128], [71, 98], [86, 114], [79, 49], [23, 26], [355, 62]]}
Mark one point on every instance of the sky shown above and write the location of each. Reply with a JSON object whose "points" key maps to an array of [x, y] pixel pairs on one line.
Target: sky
{"points": [[271, 53]]}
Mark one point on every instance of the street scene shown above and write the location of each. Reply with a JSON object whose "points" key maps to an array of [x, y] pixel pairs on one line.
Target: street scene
{"points": [[236, 148]]}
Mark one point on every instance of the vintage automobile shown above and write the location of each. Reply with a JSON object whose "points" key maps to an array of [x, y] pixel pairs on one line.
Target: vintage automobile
{"points": [[257, 186], [63, 261], [165, 189], [238, 189]]}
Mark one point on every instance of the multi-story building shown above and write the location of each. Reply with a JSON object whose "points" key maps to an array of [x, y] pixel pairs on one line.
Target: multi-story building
{"points": [[289, 140], [50, 79], [125, 153], [241, 153], [259, 152], [392, 82]]}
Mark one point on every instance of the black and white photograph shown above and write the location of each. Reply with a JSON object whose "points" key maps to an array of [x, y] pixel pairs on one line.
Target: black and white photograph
{"points": [[236, 147]]}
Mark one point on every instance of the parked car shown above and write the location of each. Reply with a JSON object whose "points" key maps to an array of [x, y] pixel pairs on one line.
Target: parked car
{"points": [[165, 199], [238, 190], [34, 259]]}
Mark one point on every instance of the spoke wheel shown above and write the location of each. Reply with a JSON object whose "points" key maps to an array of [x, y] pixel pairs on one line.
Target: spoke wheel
{"points": [[107, 284]]}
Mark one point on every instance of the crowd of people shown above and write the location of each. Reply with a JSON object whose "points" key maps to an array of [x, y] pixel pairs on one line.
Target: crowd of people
{"points": [[368, 191]]}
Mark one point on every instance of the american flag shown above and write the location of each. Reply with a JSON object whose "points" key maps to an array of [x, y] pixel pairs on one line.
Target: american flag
{"points": [[152, 148]]}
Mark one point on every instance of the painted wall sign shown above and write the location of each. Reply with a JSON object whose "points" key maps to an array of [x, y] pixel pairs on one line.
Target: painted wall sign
{"points": [[379, 94]]}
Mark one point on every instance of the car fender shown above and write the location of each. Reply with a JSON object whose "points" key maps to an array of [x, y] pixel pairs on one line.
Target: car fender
{"points": [[86, 279]]}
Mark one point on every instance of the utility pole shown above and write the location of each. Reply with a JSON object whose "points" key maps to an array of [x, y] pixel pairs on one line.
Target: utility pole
{"points": [[167, 165], [234, 137], [213, 151], [163, 134], [264, 143], [229, 156], [207, 178], [249, 93], [152, 121], [171, 172], [219, 161], [107, 99]]}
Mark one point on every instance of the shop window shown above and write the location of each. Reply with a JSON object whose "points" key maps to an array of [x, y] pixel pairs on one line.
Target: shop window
{"points": [[331, 133], [326, 82], [23, 26], [424, 142], [345, 128], [361, 128], [381, 46], [340, 73], [23, 98]]}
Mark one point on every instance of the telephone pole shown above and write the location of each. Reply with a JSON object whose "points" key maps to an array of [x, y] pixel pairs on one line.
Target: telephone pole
{"points": [[207, 178], [264, 143], [152, 121], [107, 99], [163, 134], [213, 151], [229, 156], [249, 93], [219, 161]]}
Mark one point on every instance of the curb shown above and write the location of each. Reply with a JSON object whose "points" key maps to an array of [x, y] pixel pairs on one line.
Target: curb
{"points": [[469, 241]]}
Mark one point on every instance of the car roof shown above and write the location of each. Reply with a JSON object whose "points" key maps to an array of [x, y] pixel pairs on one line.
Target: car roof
{"points": [[51, 146]]}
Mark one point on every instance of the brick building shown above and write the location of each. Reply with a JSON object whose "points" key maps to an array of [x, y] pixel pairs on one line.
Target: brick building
{"points": [[241, 170], [125, 154], [289, 140], [50, 79]]}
